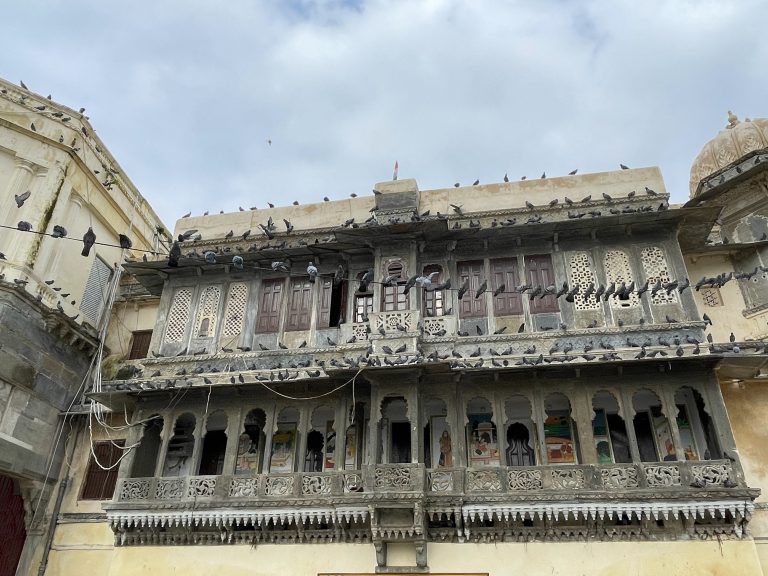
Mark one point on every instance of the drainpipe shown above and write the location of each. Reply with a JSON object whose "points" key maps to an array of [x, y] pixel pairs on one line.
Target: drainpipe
{"points": [[55, 513]]}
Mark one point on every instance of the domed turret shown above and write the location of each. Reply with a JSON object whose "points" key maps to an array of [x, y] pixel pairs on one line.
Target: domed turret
{"points": [[735, 141]]}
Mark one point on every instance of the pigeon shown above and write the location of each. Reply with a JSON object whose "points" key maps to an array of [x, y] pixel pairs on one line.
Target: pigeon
{"points": [[59, 231], [24, 226], [174, 255], [88, 240], [312, 271], [280, 267], [366, 279], [476, 182], [463, 289], [21, 198], [623, 167], [481, 290], [237, 262], [607, 197], [288, 226], [521, 329], [506, 178], [706, 319], [210, 257], [125, 242]]}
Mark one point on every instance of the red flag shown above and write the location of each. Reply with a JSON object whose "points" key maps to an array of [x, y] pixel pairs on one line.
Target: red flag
{"points": [[394, 174]]}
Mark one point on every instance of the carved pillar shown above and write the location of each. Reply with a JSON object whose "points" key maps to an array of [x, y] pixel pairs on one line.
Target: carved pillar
{"points": [[303, 426], [582, 413], [201, 426], [538, 414], [372, 450], [133, 436], [270, 426], [669, 409], [169, 422], [414, 419], [454, 424], [234, 426], [460, 413], [340, 423], [629, 422], [499, 418]]}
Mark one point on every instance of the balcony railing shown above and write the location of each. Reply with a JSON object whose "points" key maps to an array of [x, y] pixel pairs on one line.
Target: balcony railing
{"points": [[404, 479]]}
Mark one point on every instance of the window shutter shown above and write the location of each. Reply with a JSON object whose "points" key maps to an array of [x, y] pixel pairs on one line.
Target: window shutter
{"points": [[504, 271], [100, 484], [140, 344], [95, 295], [324, 306], [299, 305], [433, 299], [269, 311], [469, 306], [539, 271]]}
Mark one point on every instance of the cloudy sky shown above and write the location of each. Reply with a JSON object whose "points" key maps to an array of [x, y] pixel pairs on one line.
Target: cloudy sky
{"points": [[187, 93]]}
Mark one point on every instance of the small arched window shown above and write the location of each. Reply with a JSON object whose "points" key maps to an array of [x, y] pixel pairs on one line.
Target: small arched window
{"points": [[392, 297]]}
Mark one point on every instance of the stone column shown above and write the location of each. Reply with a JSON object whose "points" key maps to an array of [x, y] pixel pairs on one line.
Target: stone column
{"points": [[234, 419], [582, 413], [538, 415], [669, 409], [270, 426], [499, 418], [169, 420], [133, 436], [303, 426], [414, 419], [628, 413]]}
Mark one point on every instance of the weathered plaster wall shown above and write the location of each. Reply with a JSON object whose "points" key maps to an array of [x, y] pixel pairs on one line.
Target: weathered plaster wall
{"points": [[747, 405], [70, 556], [128, 317]]}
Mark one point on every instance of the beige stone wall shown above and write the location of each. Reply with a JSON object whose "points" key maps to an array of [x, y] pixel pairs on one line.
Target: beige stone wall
{"points": [[127, 317], [728, 317], [90, 545], [482, 198]]}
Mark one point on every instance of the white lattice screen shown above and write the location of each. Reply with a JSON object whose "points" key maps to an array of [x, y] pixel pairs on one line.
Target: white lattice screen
{"points": [[178, 315], [655, 267], [618, 270], [237, 299], [582, 273], [95, 295], [207, 312]]}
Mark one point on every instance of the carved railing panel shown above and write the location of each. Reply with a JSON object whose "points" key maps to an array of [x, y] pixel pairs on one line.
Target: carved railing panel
{"points": [[662, 475], [524, 479], [134, 489], [279, 485], [483, 480], [440, 481], [395, 322], [619, 477], [567, 478], [353, 482], [439, 327], [711, 474], [393, 477], [244, 487], [316, 484], [170, 488], [201, 486]]}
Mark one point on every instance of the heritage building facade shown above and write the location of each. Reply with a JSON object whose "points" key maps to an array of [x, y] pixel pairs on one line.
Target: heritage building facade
{"points": [[57, 180], [463, 420]]}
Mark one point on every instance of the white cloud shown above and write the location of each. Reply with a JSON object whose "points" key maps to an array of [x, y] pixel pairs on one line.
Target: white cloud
{"points": [[186, 94]]}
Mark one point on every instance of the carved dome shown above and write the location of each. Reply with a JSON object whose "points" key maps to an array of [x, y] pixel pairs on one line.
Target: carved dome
{"points": [[736, 140]]}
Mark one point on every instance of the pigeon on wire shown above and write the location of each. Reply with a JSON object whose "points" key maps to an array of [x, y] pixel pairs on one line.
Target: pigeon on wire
{"points": [[426, 281], [88, 240], [59, 231], [366, 280], [24, 226], [312, 271]]}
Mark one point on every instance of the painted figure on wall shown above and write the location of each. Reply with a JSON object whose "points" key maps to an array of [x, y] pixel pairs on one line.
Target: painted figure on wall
{"points": [[446, 451]]}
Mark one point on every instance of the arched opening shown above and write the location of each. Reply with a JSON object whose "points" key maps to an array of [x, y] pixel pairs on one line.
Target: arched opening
{"points": [[250, 444], [178, 456], [214, 445], [321, 441], [482, 441], [520, 449], [395, 431], [284, 442], [392, 297], [145, 457], [698, 438], [438, 440], [560, 430], [652, 431], [609, 430]]}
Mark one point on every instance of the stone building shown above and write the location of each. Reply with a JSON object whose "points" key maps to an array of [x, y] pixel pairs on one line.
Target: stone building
{"points": [[486, 379], [57, 179]]}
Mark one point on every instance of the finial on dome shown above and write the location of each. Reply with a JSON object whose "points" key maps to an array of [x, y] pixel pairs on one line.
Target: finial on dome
{"points": [[732, 119]]}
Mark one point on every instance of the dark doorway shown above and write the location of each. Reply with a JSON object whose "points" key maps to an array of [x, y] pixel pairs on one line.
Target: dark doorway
{"points": [[214, 447], [313, 459], [401, 443], [519, 451], [12, 532]]}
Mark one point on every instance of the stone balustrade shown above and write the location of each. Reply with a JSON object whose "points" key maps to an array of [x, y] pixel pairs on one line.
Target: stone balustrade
{"points": [[397, 479]]}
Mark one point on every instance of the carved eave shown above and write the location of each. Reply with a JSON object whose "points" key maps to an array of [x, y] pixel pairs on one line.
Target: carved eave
{"points": [[719, 182]]}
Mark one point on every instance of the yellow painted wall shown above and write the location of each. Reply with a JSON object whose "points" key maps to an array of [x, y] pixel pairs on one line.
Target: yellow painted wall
{"points": [[697, 558]]}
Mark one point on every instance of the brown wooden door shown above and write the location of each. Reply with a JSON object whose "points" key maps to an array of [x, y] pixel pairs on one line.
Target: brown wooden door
{"points": [[269, 310], [101, 476], [12, 532], [299, 305], [539, 272], [469, 306]]}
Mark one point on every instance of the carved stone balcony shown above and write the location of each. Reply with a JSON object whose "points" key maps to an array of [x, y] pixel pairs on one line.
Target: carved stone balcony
{"points": [[401, 501]]}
